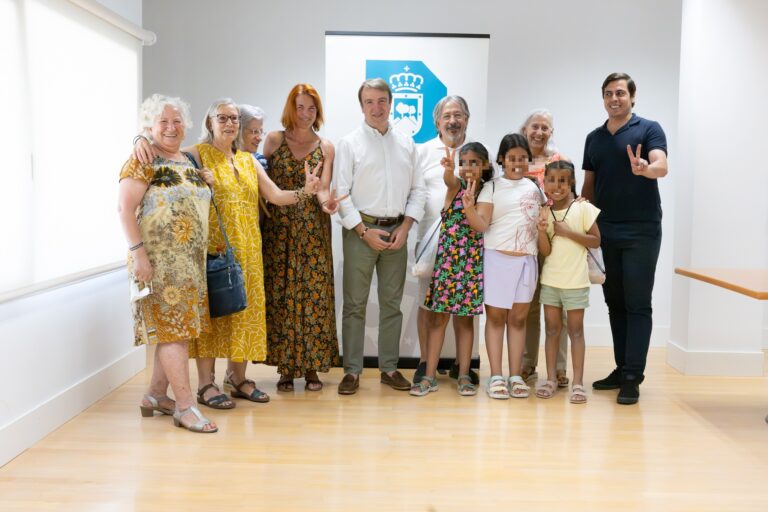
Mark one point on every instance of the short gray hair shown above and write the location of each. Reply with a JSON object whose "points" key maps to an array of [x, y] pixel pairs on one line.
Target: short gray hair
{"points": [[206, 133], [437, 113], [247, 114], [152, 107], [543, 112]]}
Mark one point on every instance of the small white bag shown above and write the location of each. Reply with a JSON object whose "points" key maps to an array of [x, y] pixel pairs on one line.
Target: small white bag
{"points": [[596, 265], [426, 251]]}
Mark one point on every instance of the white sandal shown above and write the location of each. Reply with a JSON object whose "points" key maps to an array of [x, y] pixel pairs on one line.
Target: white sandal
{"points": [[497, 387], [578, 395], [517, 387]]}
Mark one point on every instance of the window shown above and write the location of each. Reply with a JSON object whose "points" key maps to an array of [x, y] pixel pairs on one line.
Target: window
{"points": [[73, 94]]}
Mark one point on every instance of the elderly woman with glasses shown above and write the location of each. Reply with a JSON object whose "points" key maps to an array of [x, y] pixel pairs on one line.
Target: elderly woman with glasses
{"points": [[252, 132], [163, 206], [238, 181]]}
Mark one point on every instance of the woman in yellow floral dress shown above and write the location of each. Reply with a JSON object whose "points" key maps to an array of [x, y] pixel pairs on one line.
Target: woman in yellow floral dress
{"points": [[297, 251], [163, 207], [238, 181]]}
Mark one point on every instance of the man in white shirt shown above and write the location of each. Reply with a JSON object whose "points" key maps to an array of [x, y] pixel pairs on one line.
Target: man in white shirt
{"points": [[451, 116], [376, 166]]}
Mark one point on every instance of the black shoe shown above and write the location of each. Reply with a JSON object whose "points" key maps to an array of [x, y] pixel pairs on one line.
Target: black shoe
{"points": [[421, 369], [612, 381], [629, 393], [454, 373]]}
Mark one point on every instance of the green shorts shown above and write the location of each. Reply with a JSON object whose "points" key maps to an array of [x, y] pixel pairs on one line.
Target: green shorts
{"points": [[577, 298]]}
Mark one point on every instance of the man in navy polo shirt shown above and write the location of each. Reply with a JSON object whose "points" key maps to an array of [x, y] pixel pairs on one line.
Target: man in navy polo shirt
{"points": [[623, 159]]}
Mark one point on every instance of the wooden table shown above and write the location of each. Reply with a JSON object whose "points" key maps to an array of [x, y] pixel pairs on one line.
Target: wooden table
{"points": [[750, 282]]}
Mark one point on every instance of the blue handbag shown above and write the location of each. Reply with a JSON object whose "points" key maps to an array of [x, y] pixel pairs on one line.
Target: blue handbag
{"points": [[226, 286]]}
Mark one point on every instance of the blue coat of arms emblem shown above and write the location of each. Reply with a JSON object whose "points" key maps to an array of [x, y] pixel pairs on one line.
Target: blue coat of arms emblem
{"points": [[415, 92]]}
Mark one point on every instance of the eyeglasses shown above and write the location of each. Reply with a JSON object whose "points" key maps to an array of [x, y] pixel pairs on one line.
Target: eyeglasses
{"points": [[222, 118], [255, 132]]}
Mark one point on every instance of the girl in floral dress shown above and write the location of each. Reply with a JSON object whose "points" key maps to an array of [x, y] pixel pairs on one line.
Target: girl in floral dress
{"points": [[457, 278]]}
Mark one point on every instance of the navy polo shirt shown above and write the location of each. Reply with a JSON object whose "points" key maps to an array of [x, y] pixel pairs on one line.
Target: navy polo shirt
{"points": [[621, 195]]}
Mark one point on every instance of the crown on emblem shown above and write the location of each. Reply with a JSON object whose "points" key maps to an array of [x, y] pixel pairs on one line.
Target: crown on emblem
{"points": [[406, 81]]}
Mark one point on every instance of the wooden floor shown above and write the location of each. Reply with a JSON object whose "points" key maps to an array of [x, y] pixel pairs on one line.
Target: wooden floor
{"points": [[692, 444]]}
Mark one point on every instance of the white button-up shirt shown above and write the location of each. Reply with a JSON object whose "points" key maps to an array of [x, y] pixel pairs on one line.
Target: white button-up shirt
{"points": [[431, 154], [380, 174]]}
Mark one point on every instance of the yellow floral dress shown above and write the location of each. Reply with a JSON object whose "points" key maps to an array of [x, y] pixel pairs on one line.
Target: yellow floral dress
{"points": [[173, 221], [241, 336]]}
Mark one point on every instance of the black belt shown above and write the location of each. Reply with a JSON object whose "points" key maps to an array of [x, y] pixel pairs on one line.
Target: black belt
{"points": [[382, 221]]}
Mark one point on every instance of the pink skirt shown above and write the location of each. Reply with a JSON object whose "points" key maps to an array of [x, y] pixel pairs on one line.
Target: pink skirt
{"points": [[509, 279]]}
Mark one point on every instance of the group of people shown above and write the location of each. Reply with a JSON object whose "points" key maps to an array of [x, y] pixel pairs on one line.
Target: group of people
{"points": [[495, 236]]}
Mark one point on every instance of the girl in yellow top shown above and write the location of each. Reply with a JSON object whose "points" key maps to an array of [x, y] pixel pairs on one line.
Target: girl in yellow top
{"points": [[566, 229]]}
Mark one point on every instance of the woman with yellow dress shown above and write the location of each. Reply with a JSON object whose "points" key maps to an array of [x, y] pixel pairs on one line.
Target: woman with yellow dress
{"points": [[238, 181]]}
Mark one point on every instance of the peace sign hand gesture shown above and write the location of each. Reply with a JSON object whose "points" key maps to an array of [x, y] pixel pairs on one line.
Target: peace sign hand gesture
{"points": [[331, 205], [448, 161], [311, 180], [639, 165], [468, 199]]}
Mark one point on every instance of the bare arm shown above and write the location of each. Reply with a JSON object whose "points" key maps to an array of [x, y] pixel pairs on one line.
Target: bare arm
{"points": [[589, 239], [588, 188], [324, 192], [273, 141], [130, 194], [479, 217], [274, 194], [653, 169], [545, 246]]}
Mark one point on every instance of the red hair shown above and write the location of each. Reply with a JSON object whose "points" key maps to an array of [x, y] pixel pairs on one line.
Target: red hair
{"points": [[289, 111]]}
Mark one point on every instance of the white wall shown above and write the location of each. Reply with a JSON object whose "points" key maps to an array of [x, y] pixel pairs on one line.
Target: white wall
{"points": [[63, 349], [722, 214], [552, 54]]}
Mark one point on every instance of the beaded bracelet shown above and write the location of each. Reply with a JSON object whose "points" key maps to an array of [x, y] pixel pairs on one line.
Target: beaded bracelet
{"points": [[365, 230]]}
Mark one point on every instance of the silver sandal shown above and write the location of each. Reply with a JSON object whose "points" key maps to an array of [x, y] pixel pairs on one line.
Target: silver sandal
{"points": [[154, 405], [198, 427]]}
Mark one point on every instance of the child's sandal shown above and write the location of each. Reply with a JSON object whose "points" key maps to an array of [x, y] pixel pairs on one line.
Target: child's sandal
{"points": [[424, 386], [518, 388], [578, 394], [497, 387], [466, 386], [547, 389]]}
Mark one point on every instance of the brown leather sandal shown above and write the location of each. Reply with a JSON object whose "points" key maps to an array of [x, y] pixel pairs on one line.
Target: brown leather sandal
{"points": [[215, 402], [236, 390], [285, 383], [313, 381]]}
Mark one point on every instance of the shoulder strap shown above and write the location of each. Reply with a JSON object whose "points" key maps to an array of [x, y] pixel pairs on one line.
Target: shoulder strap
{"points": [[191, 158], [221, 224]]}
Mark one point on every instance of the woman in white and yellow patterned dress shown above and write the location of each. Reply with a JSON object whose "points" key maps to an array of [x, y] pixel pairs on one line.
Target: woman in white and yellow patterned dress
{"points": [[163, 206]]}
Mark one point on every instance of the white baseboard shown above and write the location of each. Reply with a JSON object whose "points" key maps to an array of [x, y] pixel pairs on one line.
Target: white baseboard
{"points": [[600, 335], [711, 363], [26, 430]]}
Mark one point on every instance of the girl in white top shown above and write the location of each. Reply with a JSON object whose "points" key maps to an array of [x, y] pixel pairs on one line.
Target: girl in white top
{"points": [[565, 232], [507, 211]]}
